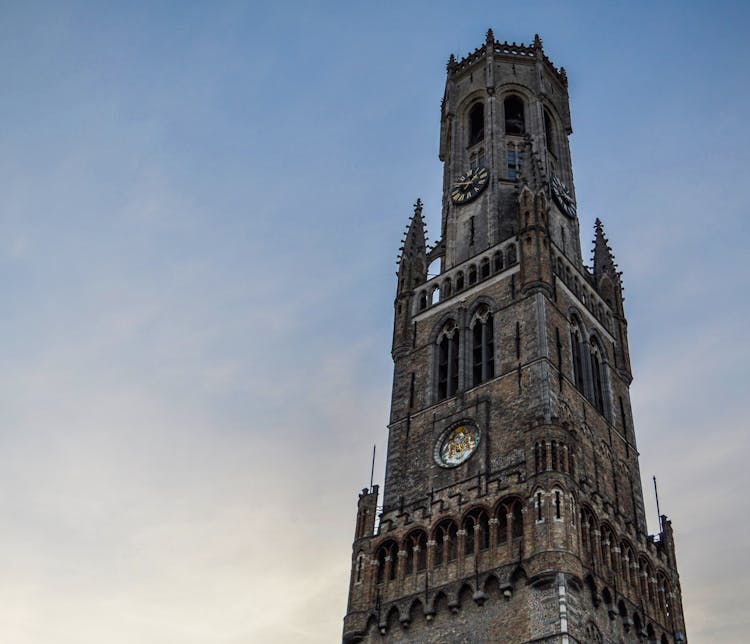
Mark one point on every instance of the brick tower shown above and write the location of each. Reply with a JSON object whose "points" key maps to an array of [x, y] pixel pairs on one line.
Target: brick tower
{"points": [[513, 509]]}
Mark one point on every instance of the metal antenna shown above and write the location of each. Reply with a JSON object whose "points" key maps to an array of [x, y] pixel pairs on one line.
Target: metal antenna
{"points": [[658, 511], [372, 469]]}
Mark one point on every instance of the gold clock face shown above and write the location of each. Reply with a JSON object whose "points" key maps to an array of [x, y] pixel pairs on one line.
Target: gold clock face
{"points": [[469, 185], [458, 444]]}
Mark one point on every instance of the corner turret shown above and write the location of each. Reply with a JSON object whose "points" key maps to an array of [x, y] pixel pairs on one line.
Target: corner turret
{"points": [[412, 271], [608, 282]]}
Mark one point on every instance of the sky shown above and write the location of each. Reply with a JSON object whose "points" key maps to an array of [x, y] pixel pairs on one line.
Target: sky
{"points": [[200, 210]]}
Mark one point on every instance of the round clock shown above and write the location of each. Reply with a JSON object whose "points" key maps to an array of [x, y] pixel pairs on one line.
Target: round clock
{"points": [[458, 444], [469, 185], [562, 198]]}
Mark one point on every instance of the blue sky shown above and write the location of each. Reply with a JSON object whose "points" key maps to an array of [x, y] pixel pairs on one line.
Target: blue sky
{"points": [[201, 205]]}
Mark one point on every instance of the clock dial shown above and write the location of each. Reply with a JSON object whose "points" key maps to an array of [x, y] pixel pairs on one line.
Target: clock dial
{"points": [[458, 444], [470, 185], [562, 198]]}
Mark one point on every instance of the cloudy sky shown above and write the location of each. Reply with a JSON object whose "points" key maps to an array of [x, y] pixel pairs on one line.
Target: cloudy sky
{"points": [[200, 209]]}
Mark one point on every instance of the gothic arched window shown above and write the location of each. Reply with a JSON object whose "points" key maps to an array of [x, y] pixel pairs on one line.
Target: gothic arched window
{"points": [[576, 355], [549, 134], [482, 346], [540, 457], [447, 367], [597, 376], [477, 528], [387, 558], [509, 521], [416, 552], [476, 124], [517, 520], [514, 118], [445, 536], [497, 262], [484, 268]]}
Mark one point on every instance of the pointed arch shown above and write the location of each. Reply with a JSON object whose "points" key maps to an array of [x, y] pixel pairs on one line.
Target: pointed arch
{"points": [[513, 113], [415, 546], [576, 352], [447, 360], [550, 133], [386, 556], [598, 386], [476, 123], [482, 345], [416, 609], [476, 525], [445, 536]]}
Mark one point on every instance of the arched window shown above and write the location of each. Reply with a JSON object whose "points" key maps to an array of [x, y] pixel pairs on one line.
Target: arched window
{"points": [[597, 376], [387, 558], [511, 253], [422, 301], [445, 537], [509, 521], [588, 534], [472, 274], [416, 552], [497, 262], [476, 124], [539, 457], [514, 119], [360, 565], [627, 563], [446, 287], [576, 354], [484, 268], [549, 134], [477, 528], [664, 593], [447, 371], [606, 543], [483, 346], [459, 280], [517, 520]]}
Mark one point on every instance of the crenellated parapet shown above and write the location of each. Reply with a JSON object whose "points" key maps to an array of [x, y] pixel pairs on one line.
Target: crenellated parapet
{"points": [[512, 52]]}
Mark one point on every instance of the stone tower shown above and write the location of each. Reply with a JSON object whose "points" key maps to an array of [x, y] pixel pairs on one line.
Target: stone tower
{"points": [[513, 509]]}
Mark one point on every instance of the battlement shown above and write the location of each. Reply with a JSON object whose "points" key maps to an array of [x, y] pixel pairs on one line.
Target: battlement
{"points": [[509, 51]]}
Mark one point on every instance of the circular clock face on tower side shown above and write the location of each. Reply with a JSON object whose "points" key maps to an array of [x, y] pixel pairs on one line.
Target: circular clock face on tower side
{"points": [[458, 444], [469, 185], [562, 198]]}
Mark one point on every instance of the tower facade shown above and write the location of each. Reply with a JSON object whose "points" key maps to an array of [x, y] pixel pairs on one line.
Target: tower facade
{"points": [[513, 509]]}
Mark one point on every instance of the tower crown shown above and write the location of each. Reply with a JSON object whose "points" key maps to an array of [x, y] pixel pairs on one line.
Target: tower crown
{"points": [[505, 111]]}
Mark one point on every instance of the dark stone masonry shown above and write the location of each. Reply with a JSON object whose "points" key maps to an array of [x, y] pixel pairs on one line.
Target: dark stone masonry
{"points": [[513, 509]]}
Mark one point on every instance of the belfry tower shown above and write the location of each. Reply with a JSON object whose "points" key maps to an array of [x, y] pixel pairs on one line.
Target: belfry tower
{"points": [[513, 509]]}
